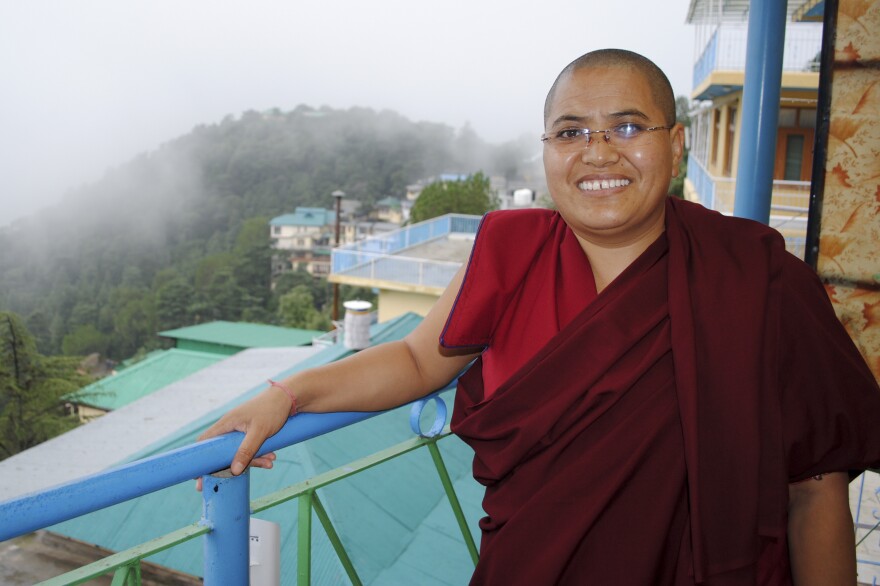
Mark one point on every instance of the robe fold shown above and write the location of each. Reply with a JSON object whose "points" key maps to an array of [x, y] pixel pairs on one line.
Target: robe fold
{"points": [[647, 434]]}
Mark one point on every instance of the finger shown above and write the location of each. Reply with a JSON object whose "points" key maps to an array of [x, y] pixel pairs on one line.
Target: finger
{"points": [[199, 484], [247, 450], [261, 463]]}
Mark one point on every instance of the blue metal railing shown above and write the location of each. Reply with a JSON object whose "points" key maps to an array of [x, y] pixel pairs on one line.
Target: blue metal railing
{"points": [[347, 257], [41, 509], [226, 499]]}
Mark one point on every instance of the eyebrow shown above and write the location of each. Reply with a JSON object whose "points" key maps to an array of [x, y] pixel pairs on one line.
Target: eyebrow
{"points": [[633, 112]]}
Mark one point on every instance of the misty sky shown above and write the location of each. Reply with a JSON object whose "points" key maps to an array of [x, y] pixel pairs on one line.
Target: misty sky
{"points": [[87, 85]]}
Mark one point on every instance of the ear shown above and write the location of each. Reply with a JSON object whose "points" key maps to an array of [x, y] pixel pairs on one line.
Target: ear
{"points": [[676, 137]]}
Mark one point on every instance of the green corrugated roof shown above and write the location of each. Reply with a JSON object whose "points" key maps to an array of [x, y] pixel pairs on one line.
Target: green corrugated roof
{"points": [[393, 519], [157, 371], [244, 335], [305, 217]]}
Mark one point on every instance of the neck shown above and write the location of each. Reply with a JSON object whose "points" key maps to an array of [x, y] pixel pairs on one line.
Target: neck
{"points": [[608, 260]]}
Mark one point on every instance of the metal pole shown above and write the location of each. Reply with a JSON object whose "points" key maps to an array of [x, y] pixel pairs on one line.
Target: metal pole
{"points": [[761, 90], [227, 512], [337, 195]]}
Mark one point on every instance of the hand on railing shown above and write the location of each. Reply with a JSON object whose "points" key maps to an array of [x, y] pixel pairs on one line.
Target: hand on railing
{"points": [[259, 419]]}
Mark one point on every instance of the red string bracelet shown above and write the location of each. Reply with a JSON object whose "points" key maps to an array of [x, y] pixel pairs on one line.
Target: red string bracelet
{"points": [[287, 392]]}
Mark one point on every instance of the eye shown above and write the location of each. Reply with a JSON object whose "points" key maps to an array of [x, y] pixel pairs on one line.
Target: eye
{"points": [[628, 130], [570, 134]]}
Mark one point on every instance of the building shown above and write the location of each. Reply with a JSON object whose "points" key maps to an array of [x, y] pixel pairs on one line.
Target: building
{"points": [[303, 238], [715, 133], [389, 209]]}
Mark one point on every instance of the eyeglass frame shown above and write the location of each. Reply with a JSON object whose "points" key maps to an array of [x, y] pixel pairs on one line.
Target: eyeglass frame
{"points": [[606, 133]]}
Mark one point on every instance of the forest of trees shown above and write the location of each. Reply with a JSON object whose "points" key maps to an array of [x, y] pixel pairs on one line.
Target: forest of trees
{"points": [[179, 236]]}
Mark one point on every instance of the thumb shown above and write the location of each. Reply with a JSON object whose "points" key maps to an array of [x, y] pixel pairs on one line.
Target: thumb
{"points": [[246, 451]]}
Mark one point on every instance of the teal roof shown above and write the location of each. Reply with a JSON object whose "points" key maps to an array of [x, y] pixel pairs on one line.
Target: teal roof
{"points": [[305, 217], [140, 379], [244, 335], [391, 202], [393, 519]]}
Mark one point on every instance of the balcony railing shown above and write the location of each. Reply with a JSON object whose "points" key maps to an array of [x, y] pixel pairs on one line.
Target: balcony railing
{"points": [[789, 204], [726, 50], [227, 508], [398, 269], [379, 258]]}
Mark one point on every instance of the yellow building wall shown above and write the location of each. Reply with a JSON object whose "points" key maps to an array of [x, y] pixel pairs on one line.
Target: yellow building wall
{"points": [[395, 303], [849, 241]]}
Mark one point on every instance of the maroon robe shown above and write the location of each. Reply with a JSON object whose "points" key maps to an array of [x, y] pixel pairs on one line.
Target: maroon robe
{"points": [[647, 435]]}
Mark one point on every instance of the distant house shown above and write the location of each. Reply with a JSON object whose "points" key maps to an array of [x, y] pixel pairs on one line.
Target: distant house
{"points": [[303, 238], [388, 209], [226, 338]]}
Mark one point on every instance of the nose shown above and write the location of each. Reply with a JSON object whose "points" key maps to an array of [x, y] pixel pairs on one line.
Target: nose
{"points": [[599, 152]]}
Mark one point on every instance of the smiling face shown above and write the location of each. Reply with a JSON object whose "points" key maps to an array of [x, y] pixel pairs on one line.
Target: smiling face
{"points": [[611, 195]]}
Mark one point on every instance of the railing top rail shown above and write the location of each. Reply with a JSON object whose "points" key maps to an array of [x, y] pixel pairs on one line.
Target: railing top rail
{"points": [[41, 509], [395, 235], [393, 257]]}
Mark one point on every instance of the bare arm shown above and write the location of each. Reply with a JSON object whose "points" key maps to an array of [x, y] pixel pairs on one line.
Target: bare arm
{"points": [[374, 379], [821, 542]]}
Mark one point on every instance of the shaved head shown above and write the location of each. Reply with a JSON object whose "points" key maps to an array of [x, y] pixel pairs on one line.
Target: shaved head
{"points": [[657, 80]]}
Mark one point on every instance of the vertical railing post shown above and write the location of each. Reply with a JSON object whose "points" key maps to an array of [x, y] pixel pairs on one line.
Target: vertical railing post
{"points": [[453, 501], [227, 512], [304, 540]]}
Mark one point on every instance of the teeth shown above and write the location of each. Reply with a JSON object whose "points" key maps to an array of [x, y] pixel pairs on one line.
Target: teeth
{"points": [[602, 184]]}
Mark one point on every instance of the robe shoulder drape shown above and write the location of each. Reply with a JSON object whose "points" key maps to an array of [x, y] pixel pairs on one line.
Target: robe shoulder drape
{"points": [[766, 388]]}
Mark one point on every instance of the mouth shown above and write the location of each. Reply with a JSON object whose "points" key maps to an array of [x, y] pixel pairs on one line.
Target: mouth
{"points": [[598, 184]]}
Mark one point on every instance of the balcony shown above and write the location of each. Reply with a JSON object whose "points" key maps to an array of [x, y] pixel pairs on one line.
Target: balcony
{"points": [[720, 68], [789, 205], [422, 257]]}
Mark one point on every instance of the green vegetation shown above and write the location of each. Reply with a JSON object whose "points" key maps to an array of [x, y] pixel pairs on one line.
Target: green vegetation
{"points": [[31, 387], [179, 236], [470, 196]]}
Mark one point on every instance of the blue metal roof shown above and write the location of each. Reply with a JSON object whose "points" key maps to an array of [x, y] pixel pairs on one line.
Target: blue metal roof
{"points": [[393, 519]]}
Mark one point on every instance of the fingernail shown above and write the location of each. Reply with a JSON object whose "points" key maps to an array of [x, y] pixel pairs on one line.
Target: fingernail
{"points": [[236, 468]]}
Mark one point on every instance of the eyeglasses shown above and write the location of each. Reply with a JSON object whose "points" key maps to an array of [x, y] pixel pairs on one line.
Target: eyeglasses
{"points": [[623, 135]]}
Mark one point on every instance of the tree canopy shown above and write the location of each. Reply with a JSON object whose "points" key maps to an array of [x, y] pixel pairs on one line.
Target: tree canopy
{"points": [[31, 389], [468, 196]]}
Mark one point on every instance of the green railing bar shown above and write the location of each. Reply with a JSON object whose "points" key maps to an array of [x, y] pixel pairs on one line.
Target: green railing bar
{"points": [[321, 480], [454, 502], [124, 558], [304, 541], [128, 575], [324, 518]]}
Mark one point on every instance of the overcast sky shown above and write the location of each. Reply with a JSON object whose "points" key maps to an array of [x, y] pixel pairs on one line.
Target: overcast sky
{"points": [[87, 85]]}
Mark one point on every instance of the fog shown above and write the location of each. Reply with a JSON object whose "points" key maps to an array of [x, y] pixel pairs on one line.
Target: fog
{"points": [[88, 85]]}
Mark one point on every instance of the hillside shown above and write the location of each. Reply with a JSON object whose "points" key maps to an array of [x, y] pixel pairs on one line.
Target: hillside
{"points": [[179, 236]]}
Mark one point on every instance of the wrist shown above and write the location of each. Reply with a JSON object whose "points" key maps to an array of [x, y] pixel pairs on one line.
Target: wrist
{"points": [[287, 391]]}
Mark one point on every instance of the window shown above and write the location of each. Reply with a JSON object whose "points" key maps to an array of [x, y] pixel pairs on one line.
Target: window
{"points": [[731, 134]]}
